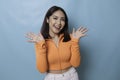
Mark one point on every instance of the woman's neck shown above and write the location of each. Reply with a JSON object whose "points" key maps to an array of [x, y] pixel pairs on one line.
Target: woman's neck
{"points": [[53, 35], [56, 40]]}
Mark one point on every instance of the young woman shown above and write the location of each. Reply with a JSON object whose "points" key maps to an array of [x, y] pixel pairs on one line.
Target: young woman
{"points": [[57, 51]]}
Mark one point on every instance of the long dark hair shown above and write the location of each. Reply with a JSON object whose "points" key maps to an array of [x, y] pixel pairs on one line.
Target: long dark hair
{"points": [[45, 25]]}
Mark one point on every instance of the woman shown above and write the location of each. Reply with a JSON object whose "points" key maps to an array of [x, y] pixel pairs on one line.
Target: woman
{"points": [[57, 51]]}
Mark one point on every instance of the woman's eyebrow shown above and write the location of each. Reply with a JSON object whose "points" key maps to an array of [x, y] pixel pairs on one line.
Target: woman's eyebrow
{"points": [[57, 16]]}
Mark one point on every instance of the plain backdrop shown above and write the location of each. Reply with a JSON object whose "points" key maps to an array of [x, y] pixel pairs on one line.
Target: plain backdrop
{"points": [[100, 49]]}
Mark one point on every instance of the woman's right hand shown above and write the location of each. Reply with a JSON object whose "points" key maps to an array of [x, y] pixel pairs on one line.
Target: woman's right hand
{"points": [[34, 38]]}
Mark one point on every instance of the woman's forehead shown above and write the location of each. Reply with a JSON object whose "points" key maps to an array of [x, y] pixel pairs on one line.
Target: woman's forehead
{"points": [[58, 13]]}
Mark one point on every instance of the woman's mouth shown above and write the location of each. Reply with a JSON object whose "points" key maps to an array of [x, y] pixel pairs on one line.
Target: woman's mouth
{"points": [[57, 27]]}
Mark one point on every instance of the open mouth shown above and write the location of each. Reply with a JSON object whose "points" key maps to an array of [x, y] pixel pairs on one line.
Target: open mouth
{"points": [[57, 28]]}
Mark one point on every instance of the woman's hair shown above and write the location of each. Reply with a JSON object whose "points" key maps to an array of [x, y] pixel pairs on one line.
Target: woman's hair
{"points": [[45, 25]]}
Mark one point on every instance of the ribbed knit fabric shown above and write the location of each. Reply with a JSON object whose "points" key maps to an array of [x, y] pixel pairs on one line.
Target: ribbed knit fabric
{"points": [[51, 57]]}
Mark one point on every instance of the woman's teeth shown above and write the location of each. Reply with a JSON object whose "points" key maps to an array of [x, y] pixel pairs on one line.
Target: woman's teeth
{"points": [[58, 28]]}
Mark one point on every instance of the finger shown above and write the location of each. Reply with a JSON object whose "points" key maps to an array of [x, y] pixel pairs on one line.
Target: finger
{"points": [[85, 30], [84, 35], [28, 36], [82, 29], [79, 29], [31, 34], [73, 31], [31, 41]]}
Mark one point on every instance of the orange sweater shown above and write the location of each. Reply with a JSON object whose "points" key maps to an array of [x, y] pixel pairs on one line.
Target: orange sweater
{"points": [[50, 57]]}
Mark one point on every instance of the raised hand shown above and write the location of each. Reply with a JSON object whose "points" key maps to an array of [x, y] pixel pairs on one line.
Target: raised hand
{"points": [[34, 38], [80, 32]]}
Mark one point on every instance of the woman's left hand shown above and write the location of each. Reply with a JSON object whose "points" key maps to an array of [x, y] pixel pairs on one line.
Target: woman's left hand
{"points": [[80, 32]]}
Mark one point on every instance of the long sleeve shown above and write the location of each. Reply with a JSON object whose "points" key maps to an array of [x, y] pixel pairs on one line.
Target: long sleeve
{"points": [[75, 53], [41, 58]]}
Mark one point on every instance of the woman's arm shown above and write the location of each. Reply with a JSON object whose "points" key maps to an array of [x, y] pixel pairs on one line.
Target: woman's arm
{"points": [[40, 48], [41, 58], [75, 53], [75, 49]]}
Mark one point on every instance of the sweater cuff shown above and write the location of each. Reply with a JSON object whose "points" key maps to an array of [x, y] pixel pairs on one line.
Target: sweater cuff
{"points": [[75, 40], [41, 44]]}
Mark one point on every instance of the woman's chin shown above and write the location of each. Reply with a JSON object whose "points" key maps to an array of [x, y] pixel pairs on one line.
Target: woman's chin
{"points": [[56, 32]]}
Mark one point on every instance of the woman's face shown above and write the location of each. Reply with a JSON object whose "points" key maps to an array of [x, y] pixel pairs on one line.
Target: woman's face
{"points": [[56, 22]]}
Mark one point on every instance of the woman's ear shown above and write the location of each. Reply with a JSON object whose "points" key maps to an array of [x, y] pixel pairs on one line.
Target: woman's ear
{"points": [[47, 20]]}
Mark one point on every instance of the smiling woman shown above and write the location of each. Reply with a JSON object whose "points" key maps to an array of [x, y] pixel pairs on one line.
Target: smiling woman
{"points": [[56, 23], [57, 51]]}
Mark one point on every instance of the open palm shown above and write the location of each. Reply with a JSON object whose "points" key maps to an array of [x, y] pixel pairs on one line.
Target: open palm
{"points": [[34, 38], [80, 32]]}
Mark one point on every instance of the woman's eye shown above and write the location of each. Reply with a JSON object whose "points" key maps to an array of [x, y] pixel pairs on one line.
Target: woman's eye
{"points": [[63, 19], [55, 18]]}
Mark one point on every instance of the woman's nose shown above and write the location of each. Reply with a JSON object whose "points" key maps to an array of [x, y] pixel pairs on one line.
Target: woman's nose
{"points": [[58, 21]]}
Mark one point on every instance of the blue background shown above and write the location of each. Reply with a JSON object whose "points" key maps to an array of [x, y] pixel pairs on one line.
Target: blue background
{"points": [[100, 49]]}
